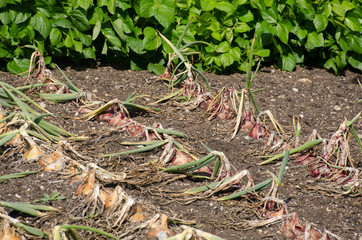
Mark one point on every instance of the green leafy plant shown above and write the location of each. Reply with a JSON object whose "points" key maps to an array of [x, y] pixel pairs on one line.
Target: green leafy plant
{"points": [[47, 198], [289, 33]]}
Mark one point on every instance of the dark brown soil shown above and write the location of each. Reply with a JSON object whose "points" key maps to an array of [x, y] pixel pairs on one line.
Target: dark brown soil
{"points": [[321, 99]]}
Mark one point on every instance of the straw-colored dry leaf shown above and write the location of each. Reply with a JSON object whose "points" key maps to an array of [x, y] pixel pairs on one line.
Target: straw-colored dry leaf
{"points": [[159, 227], [111, 198], [139, 216], [86, 189], [8, 232], [2, 125], [55, 166], [33, 153], [50, 158]]}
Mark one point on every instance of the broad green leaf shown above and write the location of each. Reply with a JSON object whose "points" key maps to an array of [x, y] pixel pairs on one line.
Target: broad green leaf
{"points": [[320, 22], [96, 30], [78, 46], [341, 60], [356, 61], [241, 27], [41, 10], [353, 24], [229, 35], [246, 17], [89, 53], [85, 39], [218, 36], [240, 2], [21, 17], [298, 55], [162, 10], [79, 20], [226, 59], [314, 40], [62, 22], [270, 28], [136, 45], [235, 52], [3, 3], [18, 66], [14, 29], [288, 62], [118, 27], [330, 64], [343, 44], [301, 33], [355, 44], [188, 37], [5, 17], [223, 47], [224, 6], [4, 53], [242, 42], [111, 6], [150, 39], [68, 41], [207, 5], [85, 4], [338, 9], [262, 52], [97, 16], [42, 24], [272, 19], [283, 32], [155, 68], [348, 5], [105, 48], [304, 4], [110, 35], [55, 36], [128, 25]]}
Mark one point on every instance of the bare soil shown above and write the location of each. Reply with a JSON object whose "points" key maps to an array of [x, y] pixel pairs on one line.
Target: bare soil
{"points": [[321, 99]]}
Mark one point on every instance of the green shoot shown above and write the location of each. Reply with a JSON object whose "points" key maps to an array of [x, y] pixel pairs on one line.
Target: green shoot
{"points": [[256, 188], [47, 198], [138, 150], [27, 208], [16, 175], [57, 229], [31, 230], [292, 151], [282, 167]]}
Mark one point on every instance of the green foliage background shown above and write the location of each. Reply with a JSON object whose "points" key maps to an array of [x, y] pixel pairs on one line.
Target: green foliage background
{"points": [[290, 32]]}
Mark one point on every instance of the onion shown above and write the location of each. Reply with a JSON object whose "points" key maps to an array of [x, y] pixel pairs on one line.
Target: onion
{"points": [[246, 125], [257, 131], [118, 120], [320, 169], [50, 87], [305, 159], [225, 113], [104, 117], [136, 130]]}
